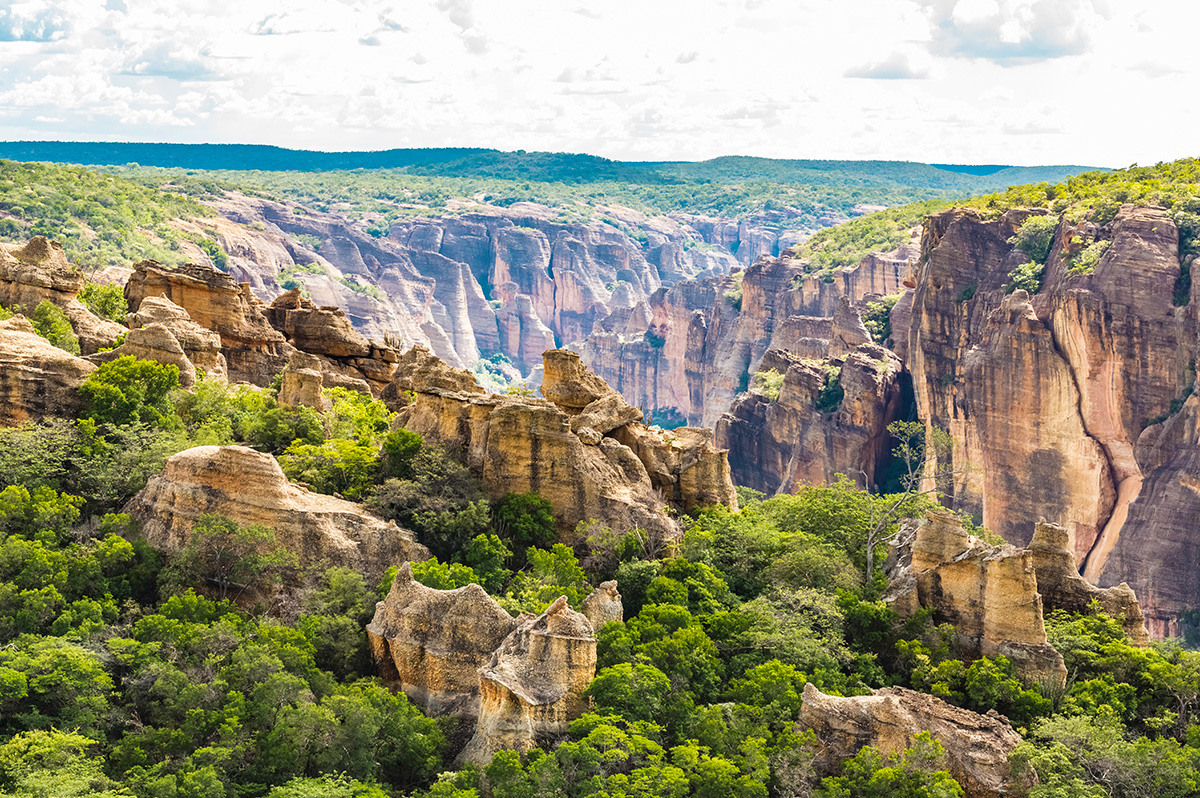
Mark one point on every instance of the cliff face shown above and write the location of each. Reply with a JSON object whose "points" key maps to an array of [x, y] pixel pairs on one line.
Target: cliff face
{"points": [[36, 378], [1068, 404]]}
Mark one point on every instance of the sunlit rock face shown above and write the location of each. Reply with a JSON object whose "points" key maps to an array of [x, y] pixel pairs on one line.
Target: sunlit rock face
{"points": [[37, 379]]}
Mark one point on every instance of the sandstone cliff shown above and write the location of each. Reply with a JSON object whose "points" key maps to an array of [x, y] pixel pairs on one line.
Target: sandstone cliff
{"points": [[522, 443], [977, 746], [249, 487], [1068, 404]]}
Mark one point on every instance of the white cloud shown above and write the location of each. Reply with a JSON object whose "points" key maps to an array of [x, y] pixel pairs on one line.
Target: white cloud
{"points": [[1003, 80]]}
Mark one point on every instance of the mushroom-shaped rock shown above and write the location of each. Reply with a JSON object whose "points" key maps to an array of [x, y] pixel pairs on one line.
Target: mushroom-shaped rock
{"points": [[533, 685], [977, 746], [432, 643], [603, 605], [37, 378], [249, 487], [321, 331]]}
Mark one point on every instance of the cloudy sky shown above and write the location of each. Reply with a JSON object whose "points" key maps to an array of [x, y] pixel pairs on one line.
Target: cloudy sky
{"points": [[1097, 82]]}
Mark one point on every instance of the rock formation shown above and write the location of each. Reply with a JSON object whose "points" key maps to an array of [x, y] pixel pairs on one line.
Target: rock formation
{"points": [[522, 443], [1069, 404], [1062, 588], [202, 346], [39, 271], [977, 746], [153, 342], [37, 378], [432, 643], [988, 593], [249, 487], [302, 383], [254, 350], [603, 605], [533, 685], [777, 445]]}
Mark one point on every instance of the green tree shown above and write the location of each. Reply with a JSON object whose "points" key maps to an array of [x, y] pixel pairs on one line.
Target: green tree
{"points": [[105, 300], [338, 466], [52, 324], [130, 391], [523, 520], [917, 773], [229, 557]]}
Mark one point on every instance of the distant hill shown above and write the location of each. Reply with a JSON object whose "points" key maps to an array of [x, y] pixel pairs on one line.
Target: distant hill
{"points": [[545, 167]]}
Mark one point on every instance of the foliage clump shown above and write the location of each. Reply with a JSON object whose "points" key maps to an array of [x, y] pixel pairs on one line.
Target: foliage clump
{"points": [[767, 383]]}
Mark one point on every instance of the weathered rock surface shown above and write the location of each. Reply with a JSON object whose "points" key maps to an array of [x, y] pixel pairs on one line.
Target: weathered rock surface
{"points": [[432, 643], [302, 383], [1062, 588], [254, 351], [522, 443], [39, 271], [154, 342], [1068, 404], [988, 593], [778, 446], [533, 685], [250, 488], [604, 605], [37, 378], [202, 346], [977, 746], [318, 331]]}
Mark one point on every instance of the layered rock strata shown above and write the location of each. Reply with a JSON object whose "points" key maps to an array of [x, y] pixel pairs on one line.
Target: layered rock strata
{"points": [[37, 379], [977, 746], [39, 271], [249, 487], [202, 346]]}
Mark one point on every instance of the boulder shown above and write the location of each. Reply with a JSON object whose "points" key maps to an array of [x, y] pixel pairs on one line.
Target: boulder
{"points": [[977, 746], [249, 487], [533, 685], [432, 643], [302, 383], [419, 371], [153, 342], [568, 383], [988, 593], [37, 378]]}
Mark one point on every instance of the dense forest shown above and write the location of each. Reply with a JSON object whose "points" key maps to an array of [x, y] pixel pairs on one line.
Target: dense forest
{"points": [[226, 669]]}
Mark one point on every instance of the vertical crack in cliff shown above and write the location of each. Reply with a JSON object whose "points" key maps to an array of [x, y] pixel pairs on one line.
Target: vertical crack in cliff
{"points": [[1127, 484]]}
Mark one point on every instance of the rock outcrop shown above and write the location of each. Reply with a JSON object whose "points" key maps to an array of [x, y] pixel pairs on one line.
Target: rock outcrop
{"points": [[254, 351], [303, 382], [977, 746], [432, 643], [988, 593], [778, 444], [533, 685], [1070, 404], [202, 346], [603, 605], [37, 378], [249, 487], [38, 271], [1062, 588], [154, 342], [522, 443]]}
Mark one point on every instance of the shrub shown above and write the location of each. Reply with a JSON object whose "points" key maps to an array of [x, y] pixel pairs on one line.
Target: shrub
{"points": [[1035, 236], [767, 383], [1026, 277], [830, 398], [1085, 261], [128, 391], [878, 318], [523, 520], [335, 466], [52, 324], [106, 301]]}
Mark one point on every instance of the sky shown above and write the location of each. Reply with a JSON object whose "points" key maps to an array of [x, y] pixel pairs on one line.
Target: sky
{"points": [[1095, 82]]}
